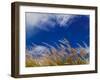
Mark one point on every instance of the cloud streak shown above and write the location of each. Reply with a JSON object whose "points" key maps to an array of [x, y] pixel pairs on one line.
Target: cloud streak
{"points": [[46, 21]]}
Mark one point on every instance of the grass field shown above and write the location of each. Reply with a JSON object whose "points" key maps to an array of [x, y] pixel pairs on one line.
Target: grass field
{"points": [[64, 54]]}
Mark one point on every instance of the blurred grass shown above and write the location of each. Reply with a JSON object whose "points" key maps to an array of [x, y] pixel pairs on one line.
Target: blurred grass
{"points": [[54, 59], [60, 57]]}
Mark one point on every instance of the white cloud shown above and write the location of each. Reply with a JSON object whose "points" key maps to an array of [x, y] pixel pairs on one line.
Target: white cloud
{"points": [[44, 21], [63, 19], [33, 18], [36, 20]]}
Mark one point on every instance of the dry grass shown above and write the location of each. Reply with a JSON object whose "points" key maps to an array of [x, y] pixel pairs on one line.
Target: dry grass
{"points": [[59, 57]]}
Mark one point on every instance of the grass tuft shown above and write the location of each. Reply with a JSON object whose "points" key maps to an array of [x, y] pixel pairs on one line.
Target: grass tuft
{"points": [[64, 55]]}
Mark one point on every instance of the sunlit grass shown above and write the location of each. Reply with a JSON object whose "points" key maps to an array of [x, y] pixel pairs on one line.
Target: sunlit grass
{"points": [[65, 55]]}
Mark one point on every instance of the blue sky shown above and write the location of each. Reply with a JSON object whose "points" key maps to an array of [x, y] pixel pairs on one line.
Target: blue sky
{"points": [[50, 27]]}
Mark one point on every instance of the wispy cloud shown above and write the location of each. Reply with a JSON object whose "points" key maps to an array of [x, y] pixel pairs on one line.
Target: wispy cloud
{"points": [[46, 21], [64, 19]]}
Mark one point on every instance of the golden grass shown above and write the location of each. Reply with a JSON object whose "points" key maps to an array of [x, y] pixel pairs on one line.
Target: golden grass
{"points": [[60, 57], [54, 60]]}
